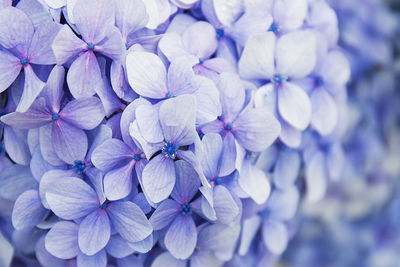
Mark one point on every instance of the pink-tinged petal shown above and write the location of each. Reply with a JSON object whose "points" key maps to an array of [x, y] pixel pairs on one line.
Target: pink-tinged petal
{"points": [[129, 221], [257, 60], [256, 129], [84, 113], [16, 145], [146, 83], [66, 45], [46, 146], [32, 88], [287, 168], [316, 178], [182, 109], [213, 150], [69, 142], [207, 99], [71, 198], [149, 125], [28, 210], [118, 247], [97, 260], [254, 182], [325, 114], [110, 153], [54, 88], [62, 240], [294, 106], [16, 32], [289, 135], [171, 45], [181, 237], [228, 155], [113, 46], [118, 182], [165, 213], [10, 67], [249, 230], [187, 182], [224, 205], [275, 236], [158, 178], [40, 50], [130, 16], [94, 232], [36, 116], [228, 11], [93, 19], [232, 95], [296, 54], [84, 76], [290, 14], [200, 40], [166, 259]]}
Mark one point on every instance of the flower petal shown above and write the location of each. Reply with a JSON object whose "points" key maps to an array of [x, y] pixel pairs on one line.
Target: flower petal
{"points": [[200, 40], [62, 240], [287, 168], [118, 182], [28, 210], [316, 178], [165, 213], [166, 259], [187, 182], [71, 198], [149, 125], [54, 88], [290, 14], [66, 45], [113, 46], [224, 205], [97, 260], [84, 113], [212, 144], [181, 237], [129, 221], [32, 88], [325, 114], [275, 236], [40, 51], [110, 153], [158, 178], [16, 145], [130, 16], [146, 83], [294, 106], [10, 67], [171, 45], [232, 96], [228, 155], [14, 180], [94, 232], [118, 247], [254, 182]]}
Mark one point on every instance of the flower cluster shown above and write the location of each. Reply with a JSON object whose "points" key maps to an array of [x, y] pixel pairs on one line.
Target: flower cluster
{"points": [[165, 133]]}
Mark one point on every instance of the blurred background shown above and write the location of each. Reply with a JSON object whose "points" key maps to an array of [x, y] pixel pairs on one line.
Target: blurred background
{"points": [[358, 222]]}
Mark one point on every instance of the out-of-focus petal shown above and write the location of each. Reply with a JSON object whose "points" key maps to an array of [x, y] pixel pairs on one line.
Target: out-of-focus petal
{"points": [[325, 114], [28, 210]]}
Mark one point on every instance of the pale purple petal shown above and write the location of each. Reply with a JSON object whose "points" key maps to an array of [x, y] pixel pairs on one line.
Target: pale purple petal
{"points": [[254, 182], [289, 135], [171, 45], [200, 40], [296, 54], [256, 129], [71, 198], [118, 247], [294, 105], [166, 259], [335, 160], [287, 168], [113, 46], [84, 75], [290, 14], [228, 11], [180, 109], [40, 51], [181, 237], [46, 146], [69, 142], [249, 230], [181, 78], [130, 16], [14, 180], [227, 163], [212, 149], [187, 182], [129, 221], [257, 60], [207, 99], [28, 210], [118, 182], [44, 257], [128, 116], [316, 178], [66, 45], [275, 236], [94, 232], [283, 204], [164, 214], [149, 125], [224, 205], [220, 238], [94, 27], [335, 69], [97, 260], [16, 145], [32, 88], [145, 245], [62, 240], [54, 88], [146, 83], [110, 153], [10, 67], [325, 113], [84, 113], [158, 178], [232, 95]]}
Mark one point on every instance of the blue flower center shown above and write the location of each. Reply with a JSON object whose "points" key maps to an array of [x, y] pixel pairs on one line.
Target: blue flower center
{"points": [[201, 61], [265, 214], [169, 95], [186, 209], [277, 79], [127, 46], [79, 166], [24, 61], [228, 127], [90, 46], [274, 28], [104, 205], [169, 150], [54, 117], [218, 180], [319, 81], [220, 33], [137, 157]]}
